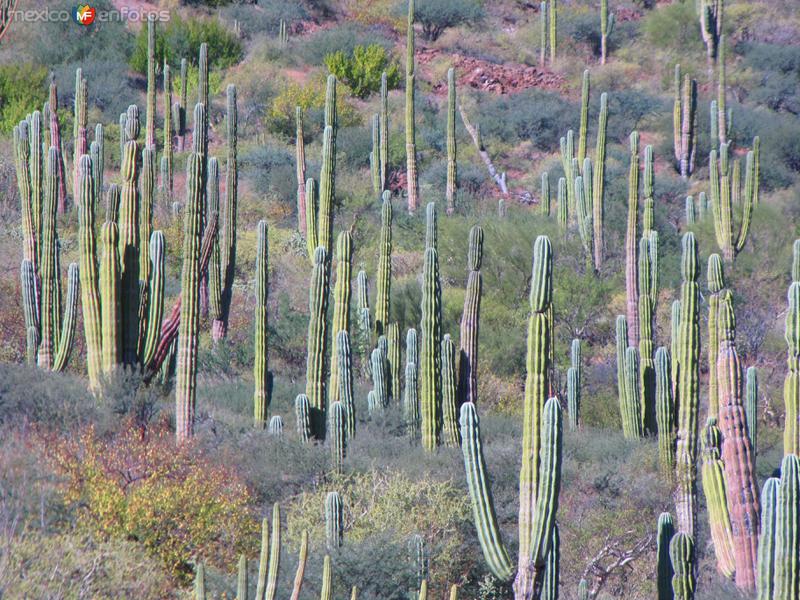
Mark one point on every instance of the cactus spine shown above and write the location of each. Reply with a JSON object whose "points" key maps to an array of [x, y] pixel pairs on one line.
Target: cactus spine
{"points": [[431, 328], [606, 28], [665, 412], [411, 144], [334, 521], [681, 551], [382, 303], [687, 396], [317, 341], [341, 305], [791, 385], [468, 360], [598, 185], [715, 489], [664, 573], [260, 362], [449, 402], [631, 239], [452, 174]]}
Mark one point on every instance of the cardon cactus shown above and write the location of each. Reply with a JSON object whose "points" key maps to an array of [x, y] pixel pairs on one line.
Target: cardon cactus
{"points": [[715, 490], [631, 240], [317, 342], [736, 450], [384, 275], [542, 32], [791, 385], [450, 434], [275, 426], [341, 305], [646, 317], [723, 190], [334, 521], [684, 122], [374, 156], [681, 551], [452, 174], [687, 396], [300, 169], [631, 410], [431, 329], [468, 359], [384, 130], [345, 379], [598, 185], [553, 29], [337, 432], [751, 410], [674, 343], [561, 200], [129, 238], [327, 579], [621, 331], [573, 397], [552, 567], [665, 412], [411, 399], [302, 411], [583, 590], [691, 216], [787, 540], [606, 28], [584, 125], [664, 573], [393, 360], [544, 196], [327, 182], [411, 143], [765, 576], [260, 362], [379, 378], [167, 158]]}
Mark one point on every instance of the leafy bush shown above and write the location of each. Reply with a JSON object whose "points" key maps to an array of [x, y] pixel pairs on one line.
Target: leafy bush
{"points": [[361, 71], [345, 38], [673, 27], [182, 39], [23, 88], [438, 15], [777, 83], [271, 170], [174, 500]]}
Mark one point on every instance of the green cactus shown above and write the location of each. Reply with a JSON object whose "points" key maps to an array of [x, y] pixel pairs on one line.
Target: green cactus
{"points": [[383, 301], [200, 582], [787, 541], [542, 33], [411, 143], [364, 321], [715, 490], [751, 409], [129, 238], [584, 218], [646, 317], [341, 305], [766, 544], [468, 354], [583, 590], [664, 573], [665, 412], [598, 185], [241, 579], [110, 289], [345, 381], [431, 328], [791, 385], [384, 132], [312, 242], [452, 173], [155, 306], [263, 563], [606, 28], [687, 395], [302, 411], [691, 217], [79, 131], [584, 124], [449, 403], [544, 199], [675, 341], [681, 551], [260, 362], [552, 567], [411, 400], [374, 156], [553, 29], [327, 176], [337, 430], [631, 411], [317, 342], [574, 385], [567, 148], [631, 239], [724, 189], [393, 359], [167, 158], [379, 377], [419, 557], [710, 12], [621, 331], [300, 167], [723, 127], [561, 198], [97, 152], [334, 521], [684, 123], [275, 427]]}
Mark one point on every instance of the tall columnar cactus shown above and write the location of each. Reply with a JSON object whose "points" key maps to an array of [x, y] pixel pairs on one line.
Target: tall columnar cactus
{"points": [[691, 213], [468, 356], [374, 156], [341, 305], [452, 173], [715, 490], [561, 201], [567, 148], [183, 103], [384, 131], [129, 237], [449, 402], [606, 28], [327, 579], [317, 342], [598, 185], [379, 378], [665, 412], [302, 411], [56, 142], [664, 572], [631, 410], [787, 540], [584, 124], [751, 410], [393, 358], [724, 188], [431, 328], [150, 135], [791, 385], [646, 315], [411, 143], [411, 402], [167, 158], [260, 362], [542, 33], [544, 197], [765, 577], [573, 398], [631, 239], [364, 319], [275, 427], [722, 111], [155, 308], [621, 331], [324, 217], [300, 169], [80, 132], [687, 396], [681, 551], [552, 567], [98, 154], [675, 344], [583, 192], [383, 300], [711, 28], [334, 521], [111, 306], [553, 29], [186, 374], [716, 283], [227, 261], [344, 362], [684, 123], [337, 432]]}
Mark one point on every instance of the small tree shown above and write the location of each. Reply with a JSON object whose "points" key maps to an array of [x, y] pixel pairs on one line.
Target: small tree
{"points": [[438, 15], [362, 70]]}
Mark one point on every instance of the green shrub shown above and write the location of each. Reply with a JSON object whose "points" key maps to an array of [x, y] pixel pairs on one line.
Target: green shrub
{"points": [[361, 71], [777, 78], [438, 15], [182, 39], [345, 38], [673, 27], [23, 88]]}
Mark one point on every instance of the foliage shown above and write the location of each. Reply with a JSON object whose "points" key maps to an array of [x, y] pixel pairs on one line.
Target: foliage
{"points": [[361, 71], [174, 500], [777, 80], [438, 15], [674, 27], [342, 37], [21, 86], [182, 39]]}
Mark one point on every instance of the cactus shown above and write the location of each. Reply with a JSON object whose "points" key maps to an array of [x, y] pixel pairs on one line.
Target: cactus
{"points": [[606, 28], [583, 590], [186, 375], [449, 403], [452, 173], [681, 551], [665, 412], [542, 33], [317, 342], [167, 158], [263, 563], [765, 579], [364, 321], [80, 139], [684, 123], [468, 354], [334, 521], [382, 303], [584, 124], [787, 540], [411, 401], [544, 199], [716, 283], [374, 156], [722, 114], [260, 362], [379, 377], [567, 149], [129, 239], [561, 198], [664, 573], [384, 132], [98, 154], [200, 582], [631, 410], [724, 189], [791, 386], [552, 567], [341, 305], [691, 217], [155, 306], [241, 579], [553, 29], [345, 381], [431, 328], [337, 429], [751, 410], [711, 28], [598, 185], [324, 217], [621, 330], [646, 316], [372, 402], [419, 557], [56, 142], [301, 566], [411, 144], [715, 490], [675, 344], [300, 168], [631, 239], [583, 192], [393, 359], [302, 411], [687, 395]]}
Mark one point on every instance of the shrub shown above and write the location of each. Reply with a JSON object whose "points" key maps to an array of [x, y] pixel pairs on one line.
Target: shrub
{"points": [[345, 38], [271, 170], [673, 27], [777, 82], [438, 15], [174, 500], [182, 39], [23, 88], [361, 71]]}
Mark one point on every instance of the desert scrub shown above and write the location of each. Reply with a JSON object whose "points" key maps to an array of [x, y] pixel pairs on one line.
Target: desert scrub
{"points": [[390, 503], [174, 500], [361, 70]]}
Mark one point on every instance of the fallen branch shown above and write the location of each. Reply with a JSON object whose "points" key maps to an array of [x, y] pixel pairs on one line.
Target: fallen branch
{"points": [[611, 558], [475, 133]]}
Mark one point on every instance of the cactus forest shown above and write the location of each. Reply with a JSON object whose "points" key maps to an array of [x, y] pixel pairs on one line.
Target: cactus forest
{"points": [[400, 299]]}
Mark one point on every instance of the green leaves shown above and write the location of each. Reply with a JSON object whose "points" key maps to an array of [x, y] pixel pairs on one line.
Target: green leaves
{"points": [[361, 71]]}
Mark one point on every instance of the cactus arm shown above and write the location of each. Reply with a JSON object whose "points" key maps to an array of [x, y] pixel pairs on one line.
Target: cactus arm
{"points": [[67, 334], [765, 577], [317, 341], [263, 562], [631, 239], [301, 567], [470, 319], [110, 290], [300, 165], [664, 573], [341, 305], [787, 539], [327, 579], [791, 385], [384, 276], [582, 131], [384, 132], [274, 554], [326, 191], [715, 489], [156, 296], [312, 240], [449, 403], [337, 429], [411, 144], [452, 172], [261, 360], [749, 201], [598, 185], [241, 580]]}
